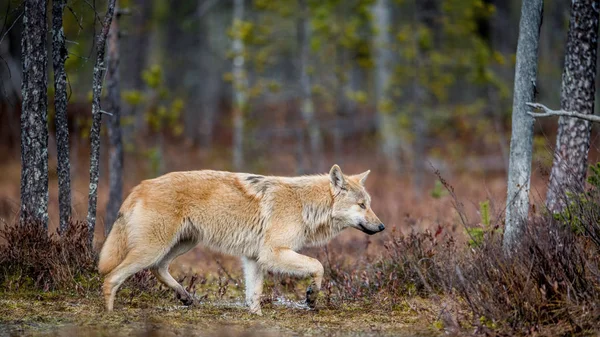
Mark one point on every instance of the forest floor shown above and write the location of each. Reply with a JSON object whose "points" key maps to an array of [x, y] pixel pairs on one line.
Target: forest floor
{"points": [[143, 314]]}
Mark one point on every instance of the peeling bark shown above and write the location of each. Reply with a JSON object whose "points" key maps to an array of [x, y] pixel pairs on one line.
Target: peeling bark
{"points": [[519, 167], [59, 56], [115, 197], [577, 94], [34, 115], [99, 68]]}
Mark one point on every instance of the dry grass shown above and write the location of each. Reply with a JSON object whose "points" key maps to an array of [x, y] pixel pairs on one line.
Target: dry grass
{"points": [[420, 275]]}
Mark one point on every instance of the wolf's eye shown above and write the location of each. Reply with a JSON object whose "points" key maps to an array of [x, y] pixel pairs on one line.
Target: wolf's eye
{"points": [[362, 205]]}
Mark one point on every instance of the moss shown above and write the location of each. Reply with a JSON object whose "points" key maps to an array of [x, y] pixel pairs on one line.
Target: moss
{"points": [[30, 312]]}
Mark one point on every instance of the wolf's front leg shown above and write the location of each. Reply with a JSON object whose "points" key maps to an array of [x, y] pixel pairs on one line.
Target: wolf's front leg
{"points": [[253, 275], [285, 260]]}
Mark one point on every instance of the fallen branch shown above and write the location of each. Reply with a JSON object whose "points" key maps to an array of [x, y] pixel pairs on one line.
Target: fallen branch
{"points": [[549, 112]]}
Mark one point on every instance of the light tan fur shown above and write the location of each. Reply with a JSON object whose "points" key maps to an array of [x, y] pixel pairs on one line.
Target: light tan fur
{"points": [[263, 219]]}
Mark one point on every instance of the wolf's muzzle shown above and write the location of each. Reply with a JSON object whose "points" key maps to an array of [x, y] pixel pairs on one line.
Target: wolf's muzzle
{"points": [[369, 231]]}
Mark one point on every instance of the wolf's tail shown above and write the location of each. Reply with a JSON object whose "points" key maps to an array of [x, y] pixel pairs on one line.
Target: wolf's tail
{"points": [[114, 249]]}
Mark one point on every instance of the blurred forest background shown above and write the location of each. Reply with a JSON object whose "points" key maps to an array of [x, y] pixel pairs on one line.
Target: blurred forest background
{"points": [[291, 87]]}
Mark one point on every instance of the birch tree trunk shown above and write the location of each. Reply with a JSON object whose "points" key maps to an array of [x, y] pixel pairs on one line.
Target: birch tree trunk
{"points": [[307, 107], [99, 68], [240, 84], [115, 197], [389, 144], [59, 56], [577, 94], [519, 170], [34, 115]]}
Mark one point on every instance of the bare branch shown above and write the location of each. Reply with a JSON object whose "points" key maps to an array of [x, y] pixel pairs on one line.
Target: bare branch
{"points": [[549, 112]]}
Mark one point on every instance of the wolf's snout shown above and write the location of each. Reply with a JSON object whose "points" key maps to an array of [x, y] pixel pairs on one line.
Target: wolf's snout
{"points": [[371, 228]]}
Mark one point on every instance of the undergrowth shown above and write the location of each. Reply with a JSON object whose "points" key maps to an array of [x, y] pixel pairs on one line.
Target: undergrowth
{"points": [[550, 284], [31, 258]]}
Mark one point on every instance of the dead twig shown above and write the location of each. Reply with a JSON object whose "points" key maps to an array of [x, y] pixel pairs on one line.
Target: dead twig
{"points": [[549, 112]]}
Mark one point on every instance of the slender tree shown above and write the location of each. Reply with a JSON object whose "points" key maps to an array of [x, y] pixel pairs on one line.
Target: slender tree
{"points": [[519, 170], [577, 94], [209, 85], [383, 69], [99, 69], [240, 85], [34, 114], [427, 13], [115, 196], [59, 56], [307, 108], [136, 53]]}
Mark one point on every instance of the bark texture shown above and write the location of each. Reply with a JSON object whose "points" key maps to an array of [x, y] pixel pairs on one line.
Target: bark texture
{"points": [[34, 115], [113, 106], [59, 56], [307, 108], [577, 94], [240, 84], [519, 167], [99, 69]]}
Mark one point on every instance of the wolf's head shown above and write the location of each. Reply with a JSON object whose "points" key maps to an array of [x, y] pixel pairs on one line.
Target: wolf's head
{"points": [[352, 203]]}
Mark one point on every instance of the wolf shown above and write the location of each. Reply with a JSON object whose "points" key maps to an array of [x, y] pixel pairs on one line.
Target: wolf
{"points": [[265, 220]]}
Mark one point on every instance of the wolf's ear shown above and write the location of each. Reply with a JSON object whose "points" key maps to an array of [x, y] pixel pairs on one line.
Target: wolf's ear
{"points": [[363, 177], [336, 178]]}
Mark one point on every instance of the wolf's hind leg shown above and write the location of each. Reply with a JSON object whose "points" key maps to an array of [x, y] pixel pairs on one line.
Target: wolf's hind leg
{"points": [[161, 271], [286, 260], [133, 262], [253, 275]]}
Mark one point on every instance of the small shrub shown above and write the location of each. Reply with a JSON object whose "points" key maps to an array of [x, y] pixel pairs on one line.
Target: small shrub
{"points": [[32, 258]]}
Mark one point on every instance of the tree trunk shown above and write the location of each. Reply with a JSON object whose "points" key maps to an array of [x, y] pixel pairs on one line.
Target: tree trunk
{"points": [[427, 12], [34, 115], [307, 108], [386, 120], [59, 56], [240, 84], [135, 58], [115, 196], [519, 170], [99, 68], [209, 88], [578, 93]]}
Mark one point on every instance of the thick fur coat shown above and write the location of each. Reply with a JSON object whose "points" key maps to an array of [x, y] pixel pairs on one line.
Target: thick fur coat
{"points": [[263, 219]]}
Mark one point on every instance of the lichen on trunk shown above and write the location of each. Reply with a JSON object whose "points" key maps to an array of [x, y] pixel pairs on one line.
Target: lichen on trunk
{"points": [[34, 115], [99, 68], [59, 56], [521, 142], [577, 94]]}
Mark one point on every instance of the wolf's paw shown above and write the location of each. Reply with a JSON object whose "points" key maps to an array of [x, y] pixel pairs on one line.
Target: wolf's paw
{"points": [[186, 299], [311, 297]]}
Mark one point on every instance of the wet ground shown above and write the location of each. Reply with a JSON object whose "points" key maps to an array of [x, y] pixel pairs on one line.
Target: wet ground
{"points": [[71, 315]]}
